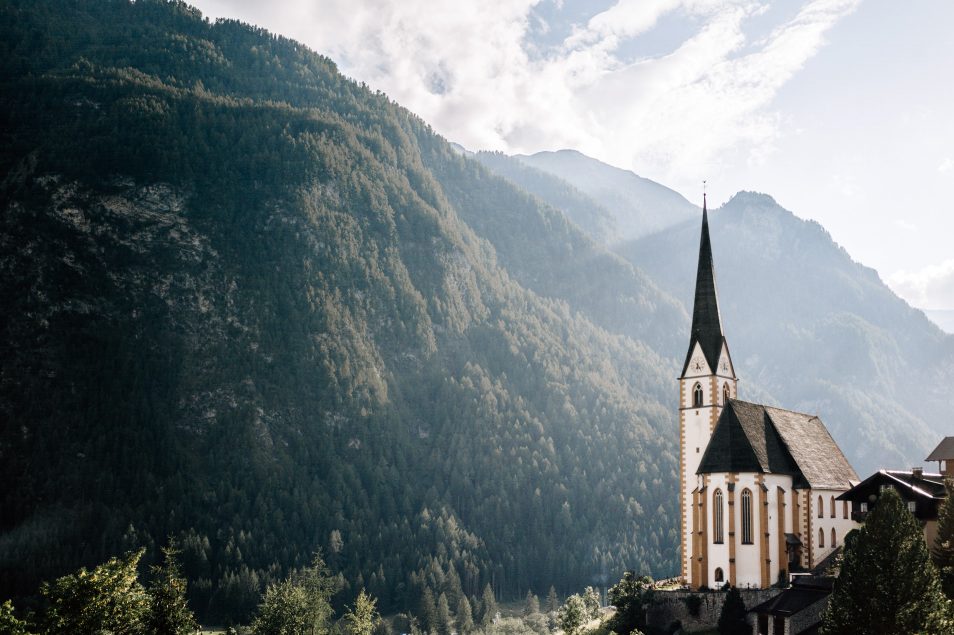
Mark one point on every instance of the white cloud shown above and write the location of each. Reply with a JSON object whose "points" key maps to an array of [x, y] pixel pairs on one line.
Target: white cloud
{"points": [[929, 288], [465, 68], [946, 165]]}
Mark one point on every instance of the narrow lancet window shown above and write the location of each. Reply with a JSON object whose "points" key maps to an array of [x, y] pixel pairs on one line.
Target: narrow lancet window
{"points": [[821, 507], [833, 507], [821, 537], [725, 393], [746, 517], [717, 533]]}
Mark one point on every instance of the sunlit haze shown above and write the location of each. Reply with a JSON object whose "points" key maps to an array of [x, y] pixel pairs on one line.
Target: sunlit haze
{"points": [[840, 109]]}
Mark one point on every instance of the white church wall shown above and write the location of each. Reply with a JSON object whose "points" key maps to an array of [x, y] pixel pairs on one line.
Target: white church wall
{"points": [[825, 522], [748, 572]]}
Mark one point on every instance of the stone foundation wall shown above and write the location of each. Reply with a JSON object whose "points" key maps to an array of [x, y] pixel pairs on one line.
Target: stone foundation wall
{"points": [[670, 606]]}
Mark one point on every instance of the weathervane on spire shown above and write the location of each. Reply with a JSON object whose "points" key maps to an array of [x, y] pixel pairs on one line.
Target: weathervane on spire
{"points": [[703, 193]]}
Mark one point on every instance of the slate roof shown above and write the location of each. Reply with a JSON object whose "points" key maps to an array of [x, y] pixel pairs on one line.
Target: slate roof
{"points": [[791, 601], [944, 450], [706, 323], [750, 437]]}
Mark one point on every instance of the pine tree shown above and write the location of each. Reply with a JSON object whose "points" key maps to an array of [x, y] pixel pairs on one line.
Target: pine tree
{"points": [[732, 617], [488, 606], [170, 614], [531, 605], [445, 623], [465, 615], [553, 601], [363, 616], [943, 553], [887, 584], [427, 611], [107, 599]]}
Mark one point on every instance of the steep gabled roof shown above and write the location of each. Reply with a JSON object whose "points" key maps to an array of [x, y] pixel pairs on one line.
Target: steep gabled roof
{"points": [[706, 323], [751, 437], [925, 485], [944, 450]]}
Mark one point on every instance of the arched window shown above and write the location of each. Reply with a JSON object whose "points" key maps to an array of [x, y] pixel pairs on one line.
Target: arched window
{"points": [[719, 576], [821, 537], [832, 506], [844, 509], [834, 543], [717, 535], [725, 393], [821, 507], [697, 395], [746, 517]]}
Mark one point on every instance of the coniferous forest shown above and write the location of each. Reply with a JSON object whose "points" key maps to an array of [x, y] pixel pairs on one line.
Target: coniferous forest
{"points": [[256, 308]]}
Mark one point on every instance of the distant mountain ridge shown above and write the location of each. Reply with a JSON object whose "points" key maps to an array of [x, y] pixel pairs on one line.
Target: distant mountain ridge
{"points": [[638, 206]]}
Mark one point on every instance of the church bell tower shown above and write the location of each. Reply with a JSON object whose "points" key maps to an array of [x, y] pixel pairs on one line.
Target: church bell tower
{"points": [[708, 380]]}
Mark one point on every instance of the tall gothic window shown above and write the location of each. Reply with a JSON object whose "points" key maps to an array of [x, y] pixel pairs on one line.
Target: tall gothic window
{"points": [[821, 507], [821, 537], [717, 535], [832, 506], [844, 509], [746, 517], [834, 543], [725, 393], [697, 395]]}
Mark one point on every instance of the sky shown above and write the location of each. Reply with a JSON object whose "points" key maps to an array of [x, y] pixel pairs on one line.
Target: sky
{"points": [[842, 110]]}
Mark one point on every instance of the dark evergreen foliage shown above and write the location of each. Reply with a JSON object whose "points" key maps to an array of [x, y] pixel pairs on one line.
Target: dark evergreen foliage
{"points": [[247, 303], [732, 618], [631, 596], [887, 583], [943, 551]]}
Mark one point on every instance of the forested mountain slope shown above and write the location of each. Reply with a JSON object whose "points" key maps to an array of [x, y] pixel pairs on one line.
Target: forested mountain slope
{"points": [[252, 304], [815, 329]]}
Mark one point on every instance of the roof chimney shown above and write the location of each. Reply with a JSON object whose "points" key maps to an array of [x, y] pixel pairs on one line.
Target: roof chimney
{"points": [[917, 472]]}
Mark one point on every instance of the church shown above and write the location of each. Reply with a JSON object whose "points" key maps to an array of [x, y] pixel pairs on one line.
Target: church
{"points": [[758, 484]]}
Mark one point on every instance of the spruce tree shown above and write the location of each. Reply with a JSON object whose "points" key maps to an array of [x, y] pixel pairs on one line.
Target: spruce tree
{"points": [[488, 606], [943, 552], [732, 618], [531, 605], [887, 584], [465, 616], [445, 623], [553, 601], [170, 614], [363, 616], [427, 611]]}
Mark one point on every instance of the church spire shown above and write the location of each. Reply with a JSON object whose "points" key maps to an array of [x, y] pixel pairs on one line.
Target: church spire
{"points": [[706, 323]]}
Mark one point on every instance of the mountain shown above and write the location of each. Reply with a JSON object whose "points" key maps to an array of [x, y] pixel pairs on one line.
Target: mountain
{"points": [[586, 213], [639, 207], [814, 330], [260, 308]]}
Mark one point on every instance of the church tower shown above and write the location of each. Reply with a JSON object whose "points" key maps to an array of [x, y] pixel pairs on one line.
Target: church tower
{"points": [[708, 380]]}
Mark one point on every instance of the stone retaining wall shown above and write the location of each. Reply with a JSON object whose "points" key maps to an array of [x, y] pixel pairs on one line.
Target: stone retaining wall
{"points": [[672, 606]]}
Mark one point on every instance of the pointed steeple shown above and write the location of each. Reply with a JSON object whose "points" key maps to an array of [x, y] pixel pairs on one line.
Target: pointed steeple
{"points": [[706, 323]]}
